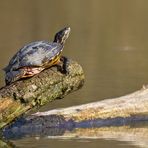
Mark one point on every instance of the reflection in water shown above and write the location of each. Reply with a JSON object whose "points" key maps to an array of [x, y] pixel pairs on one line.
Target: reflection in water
{"points": [[135, 134], [109, 39]]}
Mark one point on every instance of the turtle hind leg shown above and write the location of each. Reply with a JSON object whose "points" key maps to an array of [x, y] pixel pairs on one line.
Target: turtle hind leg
{"points": [[22, 73], [16, 75], [13, 76]]}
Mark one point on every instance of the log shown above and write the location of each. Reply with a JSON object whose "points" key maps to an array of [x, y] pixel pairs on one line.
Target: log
{"points": [[122, 110], [21, 96]]}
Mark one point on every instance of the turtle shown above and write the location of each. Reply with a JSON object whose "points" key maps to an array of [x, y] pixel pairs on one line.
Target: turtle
{"points": [[35, 57]]}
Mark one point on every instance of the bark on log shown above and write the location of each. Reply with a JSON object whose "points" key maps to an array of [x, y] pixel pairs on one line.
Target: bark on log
{"points": [[23, 95]]}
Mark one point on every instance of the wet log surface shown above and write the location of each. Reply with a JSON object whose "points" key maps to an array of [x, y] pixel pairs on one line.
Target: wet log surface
{"points": [[21, 96]]}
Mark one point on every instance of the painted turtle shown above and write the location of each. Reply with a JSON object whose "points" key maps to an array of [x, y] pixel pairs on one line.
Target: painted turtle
{"points": [[35, 57]]}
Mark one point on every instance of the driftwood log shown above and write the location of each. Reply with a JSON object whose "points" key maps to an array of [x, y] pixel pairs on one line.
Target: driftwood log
{"points": [[21, 96], [116, 111]]}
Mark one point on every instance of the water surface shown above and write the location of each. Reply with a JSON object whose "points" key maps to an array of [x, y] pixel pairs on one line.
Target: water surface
{"points": [[108, 38]]}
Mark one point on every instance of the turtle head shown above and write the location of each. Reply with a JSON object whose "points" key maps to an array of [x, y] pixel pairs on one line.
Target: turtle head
{"points": [[62, 35]]}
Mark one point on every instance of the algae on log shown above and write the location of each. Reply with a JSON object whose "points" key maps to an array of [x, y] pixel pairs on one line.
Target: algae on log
{"points": [[21, 96]]}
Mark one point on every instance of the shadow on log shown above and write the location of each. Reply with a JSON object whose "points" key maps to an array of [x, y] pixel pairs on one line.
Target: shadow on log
{"points": [[21, 96]]}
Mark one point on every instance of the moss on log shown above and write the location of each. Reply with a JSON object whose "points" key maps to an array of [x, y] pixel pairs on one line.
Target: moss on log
{"points": [[23, 95]]}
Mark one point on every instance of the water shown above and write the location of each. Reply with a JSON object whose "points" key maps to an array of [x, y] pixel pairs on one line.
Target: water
{"points": [[108, 38]]}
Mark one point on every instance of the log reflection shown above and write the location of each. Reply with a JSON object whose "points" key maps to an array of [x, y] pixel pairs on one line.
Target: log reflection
{"points": [[134, 134]]}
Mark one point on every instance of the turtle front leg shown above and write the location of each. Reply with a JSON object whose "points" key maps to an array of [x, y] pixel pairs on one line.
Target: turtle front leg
{"points": [[65, 64], [62, 65]]}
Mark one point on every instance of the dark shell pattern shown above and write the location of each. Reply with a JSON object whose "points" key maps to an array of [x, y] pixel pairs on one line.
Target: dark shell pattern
{"points": [[34, 54]]}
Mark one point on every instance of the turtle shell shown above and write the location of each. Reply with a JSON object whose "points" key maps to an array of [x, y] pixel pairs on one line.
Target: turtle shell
{"points": [[39, 53]]}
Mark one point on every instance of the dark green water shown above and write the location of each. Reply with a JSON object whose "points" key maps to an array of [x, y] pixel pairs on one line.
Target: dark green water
{"points": [[108, 38]]}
